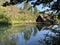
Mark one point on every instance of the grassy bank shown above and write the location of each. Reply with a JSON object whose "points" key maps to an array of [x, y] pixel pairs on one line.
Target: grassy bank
{"points": [[4, 19], [13, 15]]}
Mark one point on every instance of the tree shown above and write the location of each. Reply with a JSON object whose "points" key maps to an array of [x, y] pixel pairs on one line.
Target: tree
{"points": [[26, 6], [35, 10], [55, 6]]}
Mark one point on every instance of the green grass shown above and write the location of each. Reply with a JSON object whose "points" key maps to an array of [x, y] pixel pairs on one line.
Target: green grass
{"points": [[11, 14]]}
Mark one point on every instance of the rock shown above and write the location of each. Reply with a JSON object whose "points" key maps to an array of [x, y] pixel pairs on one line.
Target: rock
{"points": [[45, 19], [40, 19]]}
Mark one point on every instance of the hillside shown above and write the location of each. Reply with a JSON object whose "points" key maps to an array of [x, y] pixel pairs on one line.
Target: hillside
{"points": [[17, 15]]}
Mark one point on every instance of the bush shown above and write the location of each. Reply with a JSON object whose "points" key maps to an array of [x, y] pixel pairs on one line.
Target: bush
{"points": [[4, 19], [59, 16]]}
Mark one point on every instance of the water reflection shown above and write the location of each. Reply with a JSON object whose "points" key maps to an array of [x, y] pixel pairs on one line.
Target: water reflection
{"points": [[43, 27], [52, 37], [32, 35]]}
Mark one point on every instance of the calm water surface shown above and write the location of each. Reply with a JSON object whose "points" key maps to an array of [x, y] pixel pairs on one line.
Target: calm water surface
{"points": [[30, 34]]}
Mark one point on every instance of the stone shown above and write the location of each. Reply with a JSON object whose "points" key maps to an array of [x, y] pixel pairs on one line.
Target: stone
{"points": [[45, 19]]}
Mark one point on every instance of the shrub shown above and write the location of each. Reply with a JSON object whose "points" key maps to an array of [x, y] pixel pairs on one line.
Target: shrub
{"points": [[59, 16], [4, 19]]}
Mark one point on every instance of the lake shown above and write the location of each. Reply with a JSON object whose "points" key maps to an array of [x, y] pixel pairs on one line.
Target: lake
{"points": [[30, 34]]}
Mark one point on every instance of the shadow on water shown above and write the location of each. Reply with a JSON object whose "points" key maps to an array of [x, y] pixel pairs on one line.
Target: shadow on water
{"points": [[43, 26], [4, 27], [35, 34]]}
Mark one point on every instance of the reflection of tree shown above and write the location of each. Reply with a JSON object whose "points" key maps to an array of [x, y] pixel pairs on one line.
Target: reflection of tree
{"points": [[7, 37], [35, 31], [9, 40], [13, 40], [27, 34], [39, 26], [51, 39], [43, 27], [31, 32], [4, 27]]}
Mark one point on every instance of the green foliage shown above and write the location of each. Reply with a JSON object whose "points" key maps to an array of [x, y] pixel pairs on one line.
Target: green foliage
{"points": [[59, 16], [4, 19], [14, 14], [27, 7], [35, 10], [2, 1], [46, 3]]}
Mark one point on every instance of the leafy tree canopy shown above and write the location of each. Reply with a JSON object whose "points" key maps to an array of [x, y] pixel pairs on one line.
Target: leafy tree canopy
{"points": [[54, 5]]}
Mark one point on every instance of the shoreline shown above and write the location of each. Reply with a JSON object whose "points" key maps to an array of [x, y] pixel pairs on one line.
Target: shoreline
{"points": [[26, 22]]}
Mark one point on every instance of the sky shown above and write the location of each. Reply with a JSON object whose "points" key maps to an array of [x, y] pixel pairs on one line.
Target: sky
{"points": [[39, 7]]}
